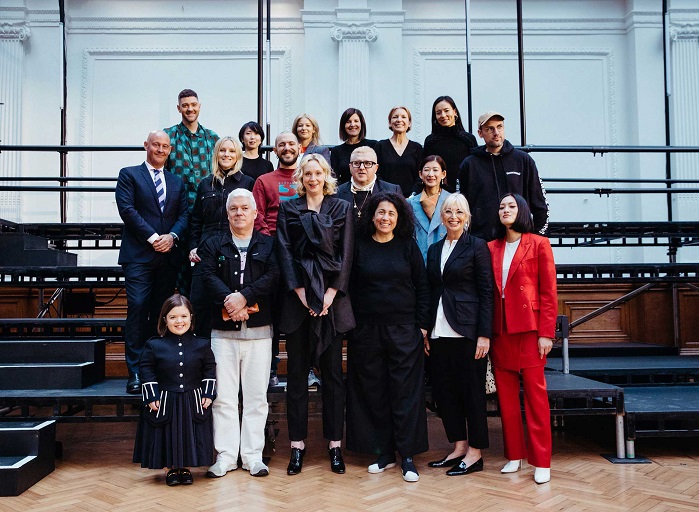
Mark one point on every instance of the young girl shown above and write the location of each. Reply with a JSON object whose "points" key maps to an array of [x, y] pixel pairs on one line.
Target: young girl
{"points": [[178, 372]]}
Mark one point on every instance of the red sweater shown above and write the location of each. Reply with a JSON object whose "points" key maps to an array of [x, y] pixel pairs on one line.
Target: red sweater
{"points": [[269, 190]]}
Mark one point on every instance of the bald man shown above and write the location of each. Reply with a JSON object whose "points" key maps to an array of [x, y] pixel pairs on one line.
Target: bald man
{"points": [[152, 203]]}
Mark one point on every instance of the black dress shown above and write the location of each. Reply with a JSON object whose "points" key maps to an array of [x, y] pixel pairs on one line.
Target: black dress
{"points": [[178, 371], [256, 167], [453, 145], [340, 158], [399, 169]]}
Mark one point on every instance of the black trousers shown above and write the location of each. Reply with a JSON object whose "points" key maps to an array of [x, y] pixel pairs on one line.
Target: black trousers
{"points": [[458, 387], [147, 287], [332, 390], [201, 302], [386, 390]]}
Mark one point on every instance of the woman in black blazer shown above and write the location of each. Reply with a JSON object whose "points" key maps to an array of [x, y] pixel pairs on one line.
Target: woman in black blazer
{"points": [[461, 309], [314, 243]]}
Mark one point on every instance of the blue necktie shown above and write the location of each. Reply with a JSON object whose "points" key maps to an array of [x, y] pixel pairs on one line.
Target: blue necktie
{"points": [[159, 188]]}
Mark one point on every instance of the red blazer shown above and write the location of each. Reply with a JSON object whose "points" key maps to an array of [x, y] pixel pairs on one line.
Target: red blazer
{"points": [[531, 302]]}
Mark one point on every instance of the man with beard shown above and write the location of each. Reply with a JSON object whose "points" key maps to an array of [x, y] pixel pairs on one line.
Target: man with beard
{"points": [[496, 169], [269, 191], [272, 188]]}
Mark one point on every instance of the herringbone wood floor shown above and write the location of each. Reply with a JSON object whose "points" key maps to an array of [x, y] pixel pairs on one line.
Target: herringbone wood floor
{"points": [[96, 474]]}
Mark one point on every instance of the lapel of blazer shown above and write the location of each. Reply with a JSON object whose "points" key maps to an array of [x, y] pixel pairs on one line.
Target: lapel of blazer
{"points": [[437, 216], [420, 215], [147, 181], [463, 243], [438, 259], [522, 250], [498, 253], [171, 196]]}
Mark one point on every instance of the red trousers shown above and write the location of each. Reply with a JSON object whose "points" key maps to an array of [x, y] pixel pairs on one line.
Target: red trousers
{"points": [[537, 448]]}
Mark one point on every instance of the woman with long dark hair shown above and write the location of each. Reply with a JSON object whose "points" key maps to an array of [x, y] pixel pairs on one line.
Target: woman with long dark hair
{"points": [[353, 133], [385, 358], [448, 139], [524, 326]]}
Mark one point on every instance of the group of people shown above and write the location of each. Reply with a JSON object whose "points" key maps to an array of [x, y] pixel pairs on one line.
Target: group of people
{"points": [[323, 249]]}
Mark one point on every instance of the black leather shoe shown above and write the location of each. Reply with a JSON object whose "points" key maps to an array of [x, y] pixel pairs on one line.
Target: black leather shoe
{"points": [[133, 385], [173, 477], [296, 461], [186, 477], [336, 463], [445, 462], [462, 469]]}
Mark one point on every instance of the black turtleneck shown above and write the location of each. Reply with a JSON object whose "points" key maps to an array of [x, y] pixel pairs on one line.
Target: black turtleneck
{"points": [[453, 145]]}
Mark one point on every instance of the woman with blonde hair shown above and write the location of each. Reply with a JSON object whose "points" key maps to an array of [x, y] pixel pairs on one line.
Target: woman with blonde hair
{"points": [[307, 131], [209, 218], [398, 156], [461, 311], [314, 244]]}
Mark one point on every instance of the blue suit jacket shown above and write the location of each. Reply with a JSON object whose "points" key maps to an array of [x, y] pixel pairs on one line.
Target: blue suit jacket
{"points": [[137, 202]]}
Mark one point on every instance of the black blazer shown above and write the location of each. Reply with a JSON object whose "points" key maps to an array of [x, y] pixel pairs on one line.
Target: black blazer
{"points": [[138, 206], [344, 191], [291, 241], [220, 267], [466, 286]]}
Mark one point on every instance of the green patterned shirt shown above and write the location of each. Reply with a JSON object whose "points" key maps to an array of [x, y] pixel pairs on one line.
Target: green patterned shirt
{"points": [[191, 154]]}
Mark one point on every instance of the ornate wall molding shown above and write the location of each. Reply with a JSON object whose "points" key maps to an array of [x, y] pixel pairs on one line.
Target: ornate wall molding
{"points": [[90, 55], [16, 30], [204, 25], [684, 31], [354, 32]]}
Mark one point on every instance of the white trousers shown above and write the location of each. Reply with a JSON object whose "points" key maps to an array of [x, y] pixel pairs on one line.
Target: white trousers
{"points": [[246, 363]]}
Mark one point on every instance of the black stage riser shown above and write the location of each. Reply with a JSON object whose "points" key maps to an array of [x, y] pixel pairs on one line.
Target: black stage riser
{"points": [[29, 250], [33, 440], [49, 376], [51, 351]]}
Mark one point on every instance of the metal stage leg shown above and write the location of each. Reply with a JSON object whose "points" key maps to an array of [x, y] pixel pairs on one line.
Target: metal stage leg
{"points": [[620, 448], [566, 361]]}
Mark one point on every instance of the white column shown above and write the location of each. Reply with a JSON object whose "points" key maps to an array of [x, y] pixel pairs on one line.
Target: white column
{"points": [[685, 119], [12, 37], [354, 74]]}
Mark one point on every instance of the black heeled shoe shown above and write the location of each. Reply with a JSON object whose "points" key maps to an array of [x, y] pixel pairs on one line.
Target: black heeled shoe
{"points": [[337, 464], [296, 461], [445, 462], [462, 469]]}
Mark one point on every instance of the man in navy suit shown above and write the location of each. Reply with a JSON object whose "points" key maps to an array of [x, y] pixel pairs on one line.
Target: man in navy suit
{"points": [[152, 203], [364, 182]]}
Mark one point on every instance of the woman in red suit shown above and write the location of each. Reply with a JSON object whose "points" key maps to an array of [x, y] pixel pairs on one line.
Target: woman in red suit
{"points": [[524, 325]]}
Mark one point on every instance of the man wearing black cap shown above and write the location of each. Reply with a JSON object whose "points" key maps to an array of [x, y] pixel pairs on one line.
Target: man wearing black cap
{"points": [[495, 169]]}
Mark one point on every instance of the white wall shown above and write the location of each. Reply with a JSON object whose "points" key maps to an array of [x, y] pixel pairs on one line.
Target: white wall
{"points": [[594, 76]]}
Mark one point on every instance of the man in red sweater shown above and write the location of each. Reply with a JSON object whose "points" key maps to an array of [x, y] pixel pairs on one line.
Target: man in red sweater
{"points": [[278, 185]]}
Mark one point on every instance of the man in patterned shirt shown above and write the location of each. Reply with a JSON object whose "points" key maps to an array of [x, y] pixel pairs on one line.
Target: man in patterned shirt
{"points": [[192, 145], [190, 159]]}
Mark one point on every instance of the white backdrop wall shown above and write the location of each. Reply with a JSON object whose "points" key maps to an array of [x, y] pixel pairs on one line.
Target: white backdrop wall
{"points": [[594, 76]]}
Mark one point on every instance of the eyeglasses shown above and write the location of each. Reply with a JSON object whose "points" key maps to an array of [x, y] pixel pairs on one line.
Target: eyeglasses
{"points": [[367, 165]]}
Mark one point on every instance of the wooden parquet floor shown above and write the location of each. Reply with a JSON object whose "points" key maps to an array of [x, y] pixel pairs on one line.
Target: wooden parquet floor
{"points": [[96, 474]]}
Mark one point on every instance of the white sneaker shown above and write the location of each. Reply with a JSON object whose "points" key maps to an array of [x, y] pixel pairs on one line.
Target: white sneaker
{"points": [[512, 466], [542, 475], [220, 468], [258, 468]]}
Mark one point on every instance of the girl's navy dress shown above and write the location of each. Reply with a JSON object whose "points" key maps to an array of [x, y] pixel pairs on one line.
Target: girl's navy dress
{"points": [[179, 371]]}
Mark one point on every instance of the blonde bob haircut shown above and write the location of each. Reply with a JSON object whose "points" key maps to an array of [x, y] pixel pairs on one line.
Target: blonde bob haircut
{"points": [[457, 201], [315, 139], [407, 111], [330, 184], [216, 171]]}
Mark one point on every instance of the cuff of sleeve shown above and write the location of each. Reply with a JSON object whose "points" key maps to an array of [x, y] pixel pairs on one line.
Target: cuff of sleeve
{"points": [[153, 238]]}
